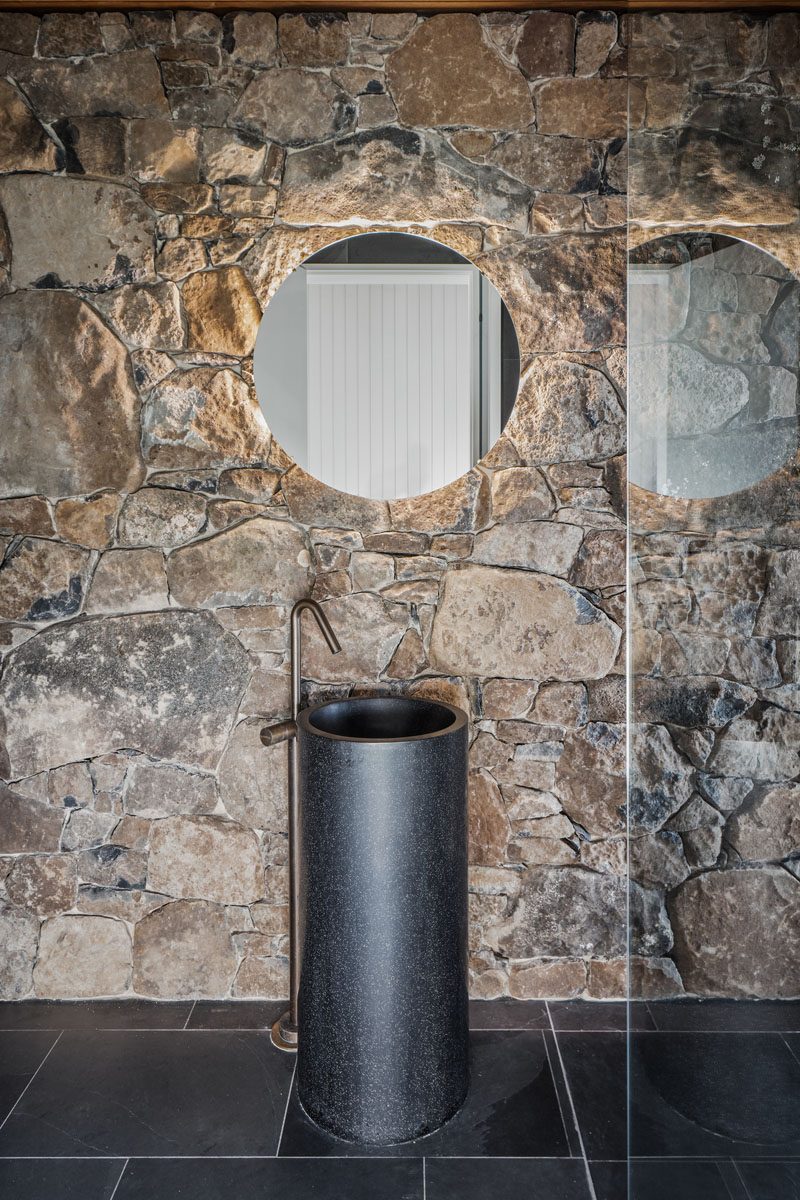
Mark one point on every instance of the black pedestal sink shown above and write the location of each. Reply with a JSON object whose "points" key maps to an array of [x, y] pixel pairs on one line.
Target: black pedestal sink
{"points": [[382, 1054]]}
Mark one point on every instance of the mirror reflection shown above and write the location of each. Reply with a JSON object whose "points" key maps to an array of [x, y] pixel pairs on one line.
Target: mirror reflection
{"points": [[386, 365], [713, 365]]}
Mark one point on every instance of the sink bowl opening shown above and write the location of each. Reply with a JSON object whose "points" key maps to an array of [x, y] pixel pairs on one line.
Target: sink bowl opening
{"points": [[382, 718]]}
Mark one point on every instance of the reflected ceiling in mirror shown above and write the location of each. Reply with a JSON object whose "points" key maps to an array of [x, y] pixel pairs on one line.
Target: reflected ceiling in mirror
{"points": [[713, 326], [386, 365]]}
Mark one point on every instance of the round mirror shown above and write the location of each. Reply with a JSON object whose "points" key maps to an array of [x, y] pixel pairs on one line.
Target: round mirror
{"points": [[386, 365], [713, 326]]}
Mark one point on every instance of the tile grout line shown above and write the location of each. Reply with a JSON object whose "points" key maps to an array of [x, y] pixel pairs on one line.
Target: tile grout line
{"points": [[189, 1017], [592, 1193], [789, 1047], [30, 1081], [286, 1109], [741, 1178], [557, 1090], [119, 1179], [424, 1180]]}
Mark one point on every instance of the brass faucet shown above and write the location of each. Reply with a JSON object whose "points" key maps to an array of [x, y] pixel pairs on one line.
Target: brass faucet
{"points": [[284, 1031]]}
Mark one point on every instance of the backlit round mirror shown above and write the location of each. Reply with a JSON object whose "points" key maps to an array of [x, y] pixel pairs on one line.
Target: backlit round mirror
{"points": [[713, 326], [386, 365]]}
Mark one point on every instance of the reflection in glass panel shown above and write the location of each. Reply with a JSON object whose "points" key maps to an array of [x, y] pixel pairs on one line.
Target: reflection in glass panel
{"points": [[713, 328]]}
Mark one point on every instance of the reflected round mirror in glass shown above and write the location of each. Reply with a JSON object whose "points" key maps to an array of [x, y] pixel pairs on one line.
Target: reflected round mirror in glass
{"points": [[386, 365], [713, 326]]}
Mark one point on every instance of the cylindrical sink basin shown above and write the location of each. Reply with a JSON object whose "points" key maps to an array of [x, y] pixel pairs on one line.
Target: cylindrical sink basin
{"points": [[382, 1007]]}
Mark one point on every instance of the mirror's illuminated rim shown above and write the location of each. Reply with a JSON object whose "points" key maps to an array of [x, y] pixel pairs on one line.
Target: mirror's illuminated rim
{"points": [[640, 237]]}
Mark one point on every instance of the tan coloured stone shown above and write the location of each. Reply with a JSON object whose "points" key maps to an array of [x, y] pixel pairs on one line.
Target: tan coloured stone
{"points": [[52, 333], [42, 580], [446, 74], [128, 84], [24, 144], [161, 790], [43, 884], [253, 779], [507, 698], [178, 197], [551, 164], [489, 830], [265, 978], [184, 949], [255, 39], [88, 521], [43, 212], [547, 44], [19, 937], [28, 514], [421, 180], [564, 412], [409, 658], [314, 503], [203, 417], [313, 39], [228, 156], [205, 858], [163, 150], [257, 562], [749, 957], [596, 38], [128, 581], [94, 145], [520, 494], [519, 624], [28, 826], [536, 545], [81, 957], [767, 827], [369, 629], [222, 311], [160, 517], [87, 689], [146, 317], [375, 111], [547, 979], [595, 108], [461, 505], [292, 107]]}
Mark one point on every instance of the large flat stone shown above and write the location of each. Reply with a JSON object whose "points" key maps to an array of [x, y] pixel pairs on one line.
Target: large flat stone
{"points": [[19, 937], [167, 684], [314, 503], [43, 212], [292, 107], [42, 580], [222, 311], [395, 174], [591, 778], [82, 957], [446, 74], [127, 84], [767, 827], [205, 858], [184, 949], [369, 630], [719, 953], [253, 780], [44, 884], [203, 417], [520, 624], [89, 423], [258, 562], [27, 825], [565, 412], [155, 790]]}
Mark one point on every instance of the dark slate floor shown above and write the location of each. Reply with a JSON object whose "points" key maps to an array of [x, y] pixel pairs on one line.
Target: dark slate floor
{"points": [[144, 1101]]}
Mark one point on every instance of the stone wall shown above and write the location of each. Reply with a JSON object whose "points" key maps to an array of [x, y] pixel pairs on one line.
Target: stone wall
{"points": [[161, 175], [715, 813]]}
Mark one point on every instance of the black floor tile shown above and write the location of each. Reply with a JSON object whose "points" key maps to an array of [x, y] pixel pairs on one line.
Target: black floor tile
{"points": [[59, 1179], [511, 1110], [599, 1016], [771, 1180], [508, 1014], [659, 1179], [94, 1014], [130, 1093], [714, 1095], [20, 1055], [236, 1014], [737, 1015], [271, 1179], [596, 1067], [509, 1178]]}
